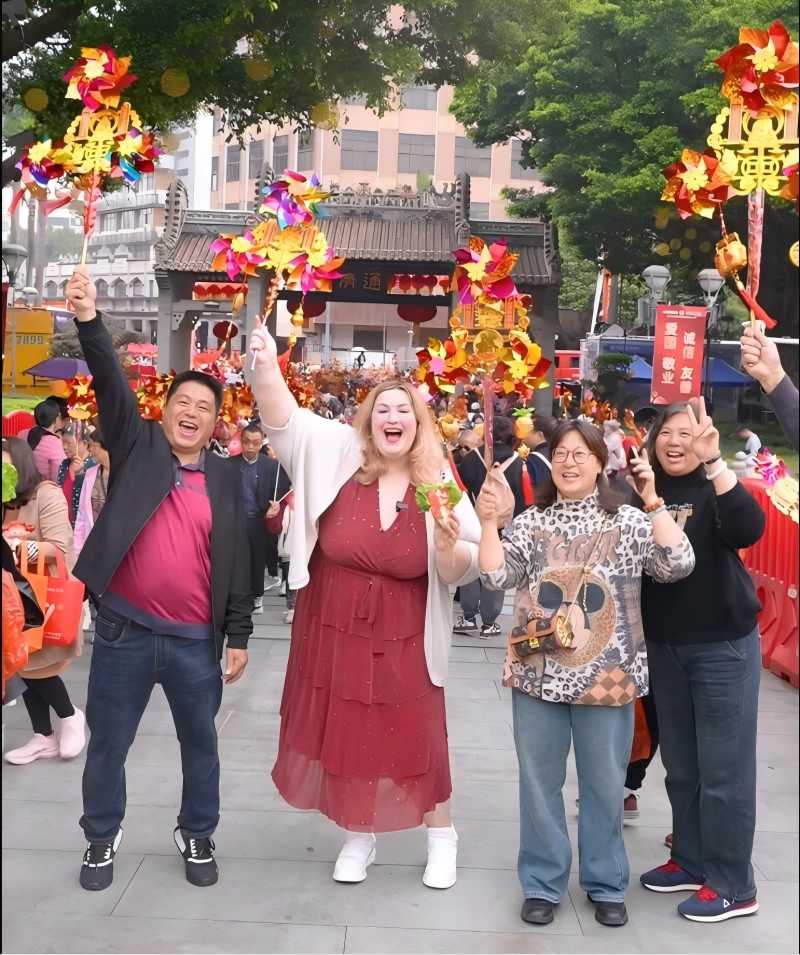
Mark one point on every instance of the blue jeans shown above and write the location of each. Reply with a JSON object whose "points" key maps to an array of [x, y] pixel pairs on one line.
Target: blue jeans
{"points": [[707, 702], [602, 736], [127, 661]]}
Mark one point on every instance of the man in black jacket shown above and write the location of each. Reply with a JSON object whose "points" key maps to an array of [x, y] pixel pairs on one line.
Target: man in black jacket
{"points": [[264, 485], [167, 561]]}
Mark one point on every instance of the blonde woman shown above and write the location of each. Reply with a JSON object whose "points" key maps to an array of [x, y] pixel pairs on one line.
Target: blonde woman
{"points": [[363, 736]]}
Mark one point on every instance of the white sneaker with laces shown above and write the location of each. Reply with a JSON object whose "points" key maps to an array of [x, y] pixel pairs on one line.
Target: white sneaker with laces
{"points": [[358, 853], [440, 872]]}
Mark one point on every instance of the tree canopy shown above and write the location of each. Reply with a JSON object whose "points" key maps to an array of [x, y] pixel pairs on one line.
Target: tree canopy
{"points": [[607, 99], [259, 61]]}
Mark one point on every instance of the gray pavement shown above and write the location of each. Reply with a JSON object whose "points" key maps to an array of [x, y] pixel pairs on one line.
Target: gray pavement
{"points": [[275, 892]]}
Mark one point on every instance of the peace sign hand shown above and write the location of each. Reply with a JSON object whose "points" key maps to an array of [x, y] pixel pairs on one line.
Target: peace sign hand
{"points": [[705, 437]]}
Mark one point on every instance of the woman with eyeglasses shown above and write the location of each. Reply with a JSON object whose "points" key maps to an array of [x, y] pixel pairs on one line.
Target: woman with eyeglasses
{"points": [[580, 663]]}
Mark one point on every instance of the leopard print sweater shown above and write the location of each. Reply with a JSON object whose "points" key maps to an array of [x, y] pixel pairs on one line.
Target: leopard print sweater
{"points": [[546, 551]]}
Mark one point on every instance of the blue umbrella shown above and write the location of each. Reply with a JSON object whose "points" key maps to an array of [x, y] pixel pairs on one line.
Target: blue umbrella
{"points": [[58, 367]]}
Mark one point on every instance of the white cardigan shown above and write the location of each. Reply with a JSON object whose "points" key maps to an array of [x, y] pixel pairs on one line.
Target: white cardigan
{"points": [[320, 456]]}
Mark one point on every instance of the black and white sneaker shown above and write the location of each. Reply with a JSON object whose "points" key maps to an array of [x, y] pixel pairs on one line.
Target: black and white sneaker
{"points": [[97, 871], [198, 855], [465, 625], [489, 630]]}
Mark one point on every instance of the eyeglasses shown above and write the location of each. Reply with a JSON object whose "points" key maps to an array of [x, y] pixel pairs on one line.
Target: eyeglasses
{"points": [[579, 456]]}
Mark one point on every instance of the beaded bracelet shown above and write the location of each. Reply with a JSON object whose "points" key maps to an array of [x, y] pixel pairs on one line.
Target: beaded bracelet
{"points": [[661, 509], [721, 468]]}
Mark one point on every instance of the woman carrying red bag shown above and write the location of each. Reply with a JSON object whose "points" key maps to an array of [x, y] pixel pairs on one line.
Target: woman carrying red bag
{"points": [[38, 520]]}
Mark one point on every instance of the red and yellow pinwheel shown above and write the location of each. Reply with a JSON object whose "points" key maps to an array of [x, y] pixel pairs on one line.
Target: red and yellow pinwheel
{"points": [[762, 68], [697, 184], [236, 255], [99, 77], [483, 270], [316, 269]]}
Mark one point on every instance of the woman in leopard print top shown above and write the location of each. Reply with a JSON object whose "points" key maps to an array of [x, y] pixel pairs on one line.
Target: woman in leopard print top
{"points": [[580, 554]]}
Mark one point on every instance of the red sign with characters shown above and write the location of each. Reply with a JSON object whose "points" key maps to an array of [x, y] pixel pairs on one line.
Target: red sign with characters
{"points": [[678, 353]]}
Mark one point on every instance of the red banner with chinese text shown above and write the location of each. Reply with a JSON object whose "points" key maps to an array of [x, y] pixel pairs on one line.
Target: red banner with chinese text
{"points": [[678, 353]]}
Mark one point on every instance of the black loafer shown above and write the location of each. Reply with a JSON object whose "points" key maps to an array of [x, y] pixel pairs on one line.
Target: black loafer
{"points": [[537, 911], [612, 914]]}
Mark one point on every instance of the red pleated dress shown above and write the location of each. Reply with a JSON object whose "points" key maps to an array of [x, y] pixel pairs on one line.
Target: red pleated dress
{"points": [[363, 735]]}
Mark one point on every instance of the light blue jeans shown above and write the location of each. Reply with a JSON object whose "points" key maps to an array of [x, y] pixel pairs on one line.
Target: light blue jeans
{"points": [[602, 736]]}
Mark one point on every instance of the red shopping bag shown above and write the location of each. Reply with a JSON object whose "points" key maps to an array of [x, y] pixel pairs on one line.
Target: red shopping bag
{"points": [[64, 613], [15, 647], [38, 580]]}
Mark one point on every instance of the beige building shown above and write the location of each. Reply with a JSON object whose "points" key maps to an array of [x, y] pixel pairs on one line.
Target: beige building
{"points": [[418, 142]]}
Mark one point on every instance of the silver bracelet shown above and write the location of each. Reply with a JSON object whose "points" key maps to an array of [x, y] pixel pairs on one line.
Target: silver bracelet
{"points": [[720, 468], [659, 510]]}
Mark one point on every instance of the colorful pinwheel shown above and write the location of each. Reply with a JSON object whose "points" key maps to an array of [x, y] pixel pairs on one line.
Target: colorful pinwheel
{"points": [[316, 269], [762, 69], [697, 184], [237, 255], [483, 270], [293, 199], [135, 153], [98, 78]]}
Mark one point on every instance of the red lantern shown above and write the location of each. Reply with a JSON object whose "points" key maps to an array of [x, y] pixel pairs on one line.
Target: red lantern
{"points": [[417, 282], [225, 331], [312, 306], [404, 283], [416, 313]]}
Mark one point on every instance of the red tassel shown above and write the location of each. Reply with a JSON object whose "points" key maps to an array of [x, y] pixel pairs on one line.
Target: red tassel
{"points": [[754, 307], [90, 199], [16, 201], [50, 205], [527, 486], [454, 471]]}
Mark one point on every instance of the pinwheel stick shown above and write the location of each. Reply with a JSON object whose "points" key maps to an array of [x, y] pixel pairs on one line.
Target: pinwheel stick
{"points": [[269, 303], [488, 422]]}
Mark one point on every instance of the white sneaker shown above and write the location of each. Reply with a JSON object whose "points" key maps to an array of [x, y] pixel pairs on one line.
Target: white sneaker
{"points": [[39, 747], [358, 852], [258, 605], [440, 872], [72, 735], [288, 617], [273, 582]]}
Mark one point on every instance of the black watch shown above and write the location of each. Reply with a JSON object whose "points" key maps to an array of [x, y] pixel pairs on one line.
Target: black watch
{"points": [[712, 461]]}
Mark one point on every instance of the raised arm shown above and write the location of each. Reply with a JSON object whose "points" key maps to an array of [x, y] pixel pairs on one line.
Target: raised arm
{"points": [[761, 360], [276, 403], [116, 403]]}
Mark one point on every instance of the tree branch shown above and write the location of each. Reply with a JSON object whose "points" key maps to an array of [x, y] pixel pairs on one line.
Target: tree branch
{"points": [[57, 20]]}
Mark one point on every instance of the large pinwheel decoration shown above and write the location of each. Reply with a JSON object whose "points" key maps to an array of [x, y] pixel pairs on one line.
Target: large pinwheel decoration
{"points": [[489, 336], [287, 242], [105, 142], [754, 149]]}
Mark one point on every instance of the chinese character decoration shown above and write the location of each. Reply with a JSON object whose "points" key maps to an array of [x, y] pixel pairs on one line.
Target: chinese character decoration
{"points": [[488, 336], [286, 242], [753, 150], [104, 143]]}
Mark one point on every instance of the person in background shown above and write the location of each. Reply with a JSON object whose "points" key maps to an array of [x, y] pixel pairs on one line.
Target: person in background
{"points": [[760, 359], [752, 442], [167, 560], [582, 554], [72, 469], [286, 515], [538, 441], [477, 597], [264, 484], [612, 435], [94, 489], [44, 439], [37, 520], [704, 650]]}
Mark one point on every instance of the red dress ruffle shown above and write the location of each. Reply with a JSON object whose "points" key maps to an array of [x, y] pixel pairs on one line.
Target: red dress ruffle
{"points": [[363, 734]]}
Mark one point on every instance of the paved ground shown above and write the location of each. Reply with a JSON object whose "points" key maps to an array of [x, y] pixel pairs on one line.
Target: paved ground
{"points": [[276, 892]]}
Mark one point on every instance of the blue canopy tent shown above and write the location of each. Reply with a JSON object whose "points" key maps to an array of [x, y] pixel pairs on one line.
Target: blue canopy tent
{"points": [[720, 372]]}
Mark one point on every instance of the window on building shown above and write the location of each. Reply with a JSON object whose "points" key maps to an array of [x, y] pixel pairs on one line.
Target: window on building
{"points": [[280, 154], [152, 288], [214, 173], [416, 153], [369, 338], [119, 288], [255, 159], [305, 149], [475, 160], [183, 172], [107, 223], [102, 288], [359, 149], [518, 171], [137, 287], [233, 161], [479, 210], [418, 97]]}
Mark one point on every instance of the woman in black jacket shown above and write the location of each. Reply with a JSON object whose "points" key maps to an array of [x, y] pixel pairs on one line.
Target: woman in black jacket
{"points": [[704, 651]]}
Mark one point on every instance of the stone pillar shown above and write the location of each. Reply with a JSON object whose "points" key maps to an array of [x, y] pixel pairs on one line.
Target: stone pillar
{"points": [[544, 326]]}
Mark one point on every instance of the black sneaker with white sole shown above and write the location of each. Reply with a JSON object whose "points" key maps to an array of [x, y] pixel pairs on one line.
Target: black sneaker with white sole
{"points": [[489, 630], [465, 625], [198, 856], [97, 871]]}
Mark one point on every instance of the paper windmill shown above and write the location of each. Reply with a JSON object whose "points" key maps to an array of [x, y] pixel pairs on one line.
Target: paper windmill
{"points": [[293, 199], [697, 184], [316, 269], [136, 153], [236, 255], [483, 270], [99, 77], [762, 69]]}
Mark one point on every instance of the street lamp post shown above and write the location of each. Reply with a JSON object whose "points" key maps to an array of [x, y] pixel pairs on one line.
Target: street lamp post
{"points": [[656, 278], [13, 257], [711, 283]]}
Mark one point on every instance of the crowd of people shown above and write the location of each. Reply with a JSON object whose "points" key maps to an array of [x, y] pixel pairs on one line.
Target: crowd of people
{"points": [[632, 612]]}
